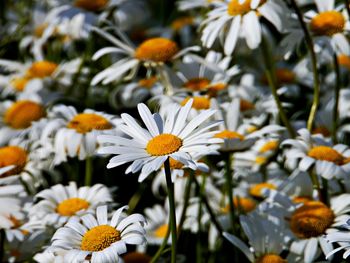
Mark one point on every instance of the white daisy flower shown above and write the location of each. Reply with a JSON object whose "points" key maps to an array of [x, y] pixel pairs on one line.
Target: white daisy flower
{"points": [[342, 238], [98, 238], [231, 19], [309, 222], [235, 134], [48, 256], [17, 118], [60, 203], [158, 223], [74, 134], [31, 77], [153, 53], [266, 239], [330, 25], [314, 153], [24, 168], [172, 137]]}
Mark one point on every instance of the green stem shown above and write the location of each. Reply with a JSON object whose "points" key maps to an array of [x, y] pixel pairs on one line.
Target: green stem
{"points": [[310, 45], [324, 191], [163, 245], [172, 216], [186, 202], [210, 211], [229, 186], [316, 185], [88, 171], [271, 77], [135, 199], [336, 98]]}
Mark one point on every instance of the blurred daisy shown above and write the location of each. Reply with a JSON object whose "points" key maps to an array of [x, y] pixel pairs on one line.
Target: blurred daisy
{"points": [[31, 77], [184, 5], [74, 134], [59, 203], [172, 137], [330, 25], [17, 118], [234, 133], [231, 19], [266, 239], [210, 77], [153, 53], [157, 223], [98, 238], [314, 153], [19, 157], [310, 221]]}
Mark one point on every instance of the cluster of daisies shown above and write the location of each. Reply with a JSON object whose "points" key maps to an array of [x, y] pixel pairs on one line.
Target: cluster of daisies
{"points": [[174, 131]]}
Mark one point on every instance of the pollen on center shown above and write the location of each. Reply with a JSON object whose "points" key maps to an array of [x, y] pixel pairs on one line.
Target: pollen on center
{"points": [[13, 155], [71, 206], [156, 50], [328, 23], [99, 238], [163, 144], [325, 153], [86, 122]]}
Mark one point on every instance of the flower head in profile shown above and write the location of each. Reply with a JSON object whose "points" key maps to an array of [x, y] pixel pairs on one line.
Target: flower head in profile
{"points": [[153, 53], [99, 238], [172, 137]]}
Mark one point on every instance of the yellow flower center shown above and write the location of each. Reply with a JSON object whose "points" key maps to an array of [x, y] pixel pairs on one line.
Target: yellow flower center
{"points": [[260, 160], [256, 190], [243, 203], [226, 134], [160, 232], [70, 206], [41, 69], [245, 105], [311, 220], [15, 222], [91, 5], [199, 103], [163, 144], [285, 76], [181, 22], [13, 155], [136, 257], [19, 83], [301, 199], [21, 114], [148, 83], [174, 164], [197, 84], [269, 146], [235, 8], [39, 30], [270, 258], [325, 153], [214, 89], [86, 122], [321, 130], [156, 50], [344, 61], [327, 23], [99, 238]]}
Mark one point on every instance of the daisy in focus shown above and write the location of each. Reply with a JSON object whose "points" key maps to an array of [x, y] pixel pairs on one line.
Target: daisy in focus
{"points": [[59, 203], [98, 238], [231, 19], [172, 137]]}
